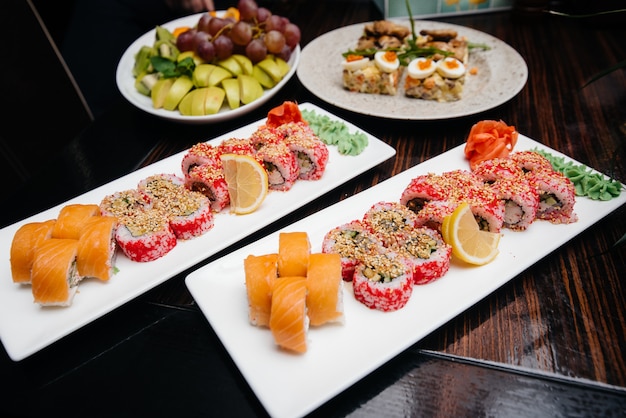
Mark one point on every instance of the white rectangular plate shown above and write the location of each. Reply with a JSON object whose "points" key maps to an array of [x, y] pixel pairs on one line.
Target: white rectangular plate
{"points": [[26, 328], [339, 355]]}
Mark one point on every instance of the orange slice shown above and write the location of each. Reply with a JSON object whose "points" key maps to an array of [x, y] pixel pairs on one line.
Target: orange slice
{"points": [[247, 182], [468, 242]]}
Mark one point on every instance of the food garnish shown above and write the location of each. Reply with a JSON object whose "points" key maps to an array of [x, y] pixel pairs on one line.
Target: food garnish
{"points": [[489, 139], [335, 132]]}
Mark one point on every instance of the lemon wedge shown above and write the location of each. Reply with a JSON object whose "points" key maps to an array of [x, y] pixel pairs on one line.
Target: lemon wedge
{"points": [[468, 242], [247, 182]]}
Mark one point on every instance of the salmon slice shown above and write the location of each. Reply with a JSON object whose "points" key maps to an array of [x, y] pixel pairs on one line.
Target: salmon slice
{"points": [[54, 275], [289, 322], [72, 218], [97, 248], [293, 253], [325, 288], [260, 272], [26, 239]]}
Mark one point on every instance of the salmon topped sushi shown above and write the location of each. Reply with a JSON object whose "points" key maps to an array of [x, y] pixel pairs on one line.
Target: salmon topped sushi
{"points": [[72, 218], [55, 276], [294, 249], [25, 242], [324, 289], [289, 322], [97, 248], [260, 274]]}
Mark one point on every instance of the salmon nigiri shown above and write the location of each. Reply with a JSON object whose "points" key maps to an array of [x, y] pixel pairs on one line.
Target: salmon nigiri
{"points": [[72, 218], [289, 322], [54, 274], [293, 253], [97, 248], [26, 239], [260, 273], [325, 288]]}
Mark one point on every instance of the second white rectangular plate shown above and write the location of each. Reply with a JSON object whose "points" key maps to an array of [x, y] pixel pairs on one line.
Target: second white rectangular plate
{"points": [[339, 355]]}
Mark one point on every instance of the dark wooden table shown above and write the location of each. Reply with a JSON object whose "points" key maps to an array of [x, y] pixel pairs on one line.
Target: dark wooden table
{"points": [[550, 342]]}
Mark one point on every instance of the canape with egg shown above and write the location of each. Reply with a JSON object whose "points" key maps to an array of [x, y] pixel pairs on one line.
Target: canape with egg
{"points": [[380, 75]]}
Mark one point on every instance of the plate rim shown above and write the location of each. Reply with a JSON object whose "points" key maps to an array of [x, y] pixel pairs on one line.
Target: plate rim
{"points": [[125, 81], [305, 75]]}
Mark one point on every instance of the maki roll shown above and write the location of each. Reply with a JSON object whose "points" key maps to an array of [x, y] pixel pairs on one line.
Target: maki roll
{"points": [[200, 154], [294, 249], [383, 281], [432, 213], [55, 277], [390, 221], [145, 235], [123, 203], [159, 188], [557, 196], [521, 202], [531, 161], [25, 242], [324, 289], [491, 170], [311, 154], [423, 189], [241, 146], [260, 275], [210, 181], [280, 164], [289, 322], [428, 254], [265, 135], [97, 248], [72, 218], [353, 242]]}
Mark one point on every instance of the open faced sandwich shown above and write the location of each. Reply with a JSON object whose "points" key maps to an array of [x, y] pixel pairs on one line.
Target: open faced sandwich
{"points": [[435, 62]]}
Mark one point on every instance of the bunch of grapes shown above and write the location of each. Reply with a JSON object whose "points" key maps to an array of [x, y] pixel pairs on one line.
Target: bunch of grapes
{"points": [[256, 34]]}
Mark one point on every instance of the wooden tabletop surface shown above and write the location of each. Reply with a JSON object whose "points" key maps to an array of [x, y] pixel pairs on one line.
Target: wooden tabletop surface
{"points": [[550, 342]]}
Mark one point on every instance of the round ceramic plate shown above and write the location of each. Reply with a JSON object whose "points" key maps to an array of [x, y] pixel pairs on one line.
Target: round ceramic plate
{"points": [[126, 81], [502, 73]]}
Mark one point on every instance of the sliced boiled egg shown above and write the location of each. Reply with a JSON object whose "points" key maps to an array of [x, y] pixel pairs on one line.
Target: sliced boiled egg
{"points": [[355, 62], [387, 61], [450, 67], [421, 67]]}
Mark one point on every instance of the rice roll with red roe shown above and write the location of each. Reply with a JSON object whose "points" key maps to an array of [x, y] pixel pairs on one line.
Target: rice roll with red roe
{"points": [[209, 181], [240, 146], [521, 202], [353, 242], [311, 155], [145, 235], [390, 221], [383, 281], [123, 203], [428, 254], [200, 154], [557, 196], [280, 164]]}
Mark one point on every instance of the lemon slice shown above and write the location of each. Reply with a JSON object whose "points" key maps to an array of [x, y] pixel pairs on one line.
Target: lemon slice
{"points": [[468, 242], [247, 182]]}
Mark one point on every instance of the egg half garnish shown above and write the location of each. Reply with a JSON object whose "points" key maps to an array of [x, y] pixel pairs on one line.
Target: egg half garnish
{"points": [[450, 67], [387, 61], [355, 62], [422, 67]]}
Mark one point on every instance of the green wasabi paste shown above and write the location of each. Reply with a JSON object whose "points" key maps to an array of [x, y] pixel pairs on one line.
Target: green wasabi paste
{"points": [[335, 132]]}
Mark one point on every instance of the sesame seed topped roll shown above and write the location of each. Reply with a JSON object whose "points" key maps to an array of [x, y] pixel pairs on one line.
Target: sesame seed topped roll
{"points": [[497, 168], [123, 203], [280, 164], [201, 153], [311, 154], [265, 135], [557, 196], [353, 242], [530, 161], [390, 221], [145, 235], [428, 254], [521, 202], [209, 181], [383, 281], [241, 146]]}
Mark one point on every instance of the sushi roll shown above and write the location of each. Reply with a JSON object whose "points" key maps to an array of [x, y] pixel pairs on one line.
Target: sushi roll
{"points": [[432, 213], [55, 277], [423, 189], [521, 202], [97, 248], [353, 242], [531, 161], [294, 249], [311, 155], [280, 164], [123, 203], [289, 322], [324, 289], [491, 170], [383, 281], [25, 242], [428, 254], [260, 274], [210, 181], [201, 153], [71, 219], [241, 146], [390, 221], [145, 235], [159, 188], [557, 196], [265, 135], [190, 214]]}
